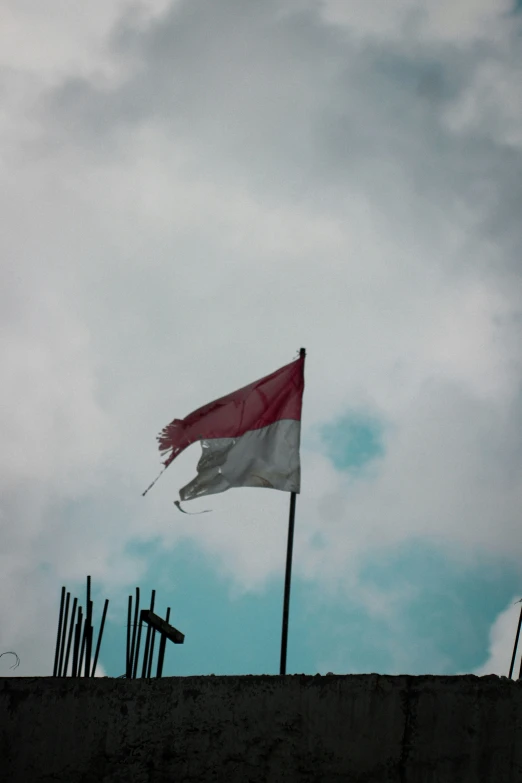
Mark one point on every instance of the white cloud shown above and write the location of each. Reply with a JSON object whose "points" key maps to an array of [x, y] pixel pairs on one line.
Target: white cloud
{"points": [[501, 644], [100, 671], [459, 23], [491, 105], [56, 40]]}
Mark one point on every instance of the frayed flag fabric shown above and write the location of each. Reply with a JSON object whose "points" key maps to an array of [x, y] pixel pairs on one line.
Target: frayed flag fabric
{"points": [[250, 438]]}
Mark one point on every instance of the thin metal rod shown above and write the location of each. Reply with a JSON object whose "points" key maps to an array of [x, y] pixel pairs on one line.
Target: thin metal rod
{"points": [[88, 642], [161, 651], [85, 625], [137, 651], [128, 663], [90, 604], [515, 645], [64, 634], [77, 639], [134, 632], [100, 634], [59, 634], [82, 647], [145, 666], [88, 655], [71, 630], [151, 655], [288, 581], [87, 632]]}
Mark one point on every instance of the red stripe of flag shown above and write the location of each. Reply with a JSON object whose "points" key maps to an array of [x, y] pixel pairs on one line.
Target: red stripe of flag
{"points": [[272, 398]]}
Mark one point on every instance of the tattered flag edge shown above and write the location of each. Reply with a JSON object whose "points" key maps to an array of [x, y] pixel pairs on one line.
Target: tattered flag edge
{"points": [[191, 513]]}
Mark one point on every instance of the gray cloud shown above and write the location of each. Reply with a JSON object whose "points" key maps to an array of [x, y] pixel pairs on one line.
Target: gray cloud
{"points": [[304, 114]]}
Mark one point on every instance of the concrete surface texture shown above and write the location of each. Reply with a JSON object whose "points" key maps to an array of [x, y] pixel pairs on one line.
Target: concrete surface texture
{"points": [[370, 728]]}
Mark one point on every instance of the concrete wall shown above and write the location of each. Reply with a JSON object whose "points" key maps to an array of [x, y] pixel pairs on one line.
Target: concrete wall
{"points": [[262, 729]]}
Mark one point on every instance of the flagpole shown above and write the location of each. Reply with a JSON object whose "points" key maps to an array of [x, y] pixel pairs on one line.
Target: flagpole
{"points": [[288, 572], [288, 579]]}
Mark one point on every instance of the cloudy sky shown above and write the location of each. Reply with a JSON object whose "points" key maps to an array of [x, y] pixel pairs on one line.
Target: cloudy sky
{"points": [[191, 191]]}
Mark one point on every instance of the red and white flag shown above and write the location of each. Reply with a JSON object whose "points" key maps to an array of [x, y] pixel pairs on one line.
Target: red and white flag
{"points": [[249, 438]]}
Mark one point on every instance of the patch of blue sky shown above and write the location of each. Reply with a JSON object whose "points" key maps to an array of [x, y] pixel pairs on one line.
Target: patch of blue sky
{"points": [[441, 626], [352, 441], [452, 602], [225, 633]]}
